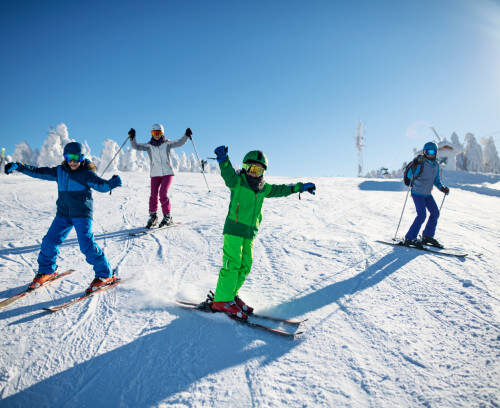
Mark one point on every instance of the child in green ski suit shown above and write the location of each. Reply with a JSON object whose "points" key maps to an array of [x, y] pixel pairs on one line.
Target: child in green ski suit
{"points": [[248, 190]]}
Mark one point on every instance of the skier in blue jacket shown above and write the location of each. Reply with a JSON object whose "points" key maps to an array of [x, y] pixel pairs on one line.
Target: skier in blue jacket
{"points": [[75, 177], [424, 175]]}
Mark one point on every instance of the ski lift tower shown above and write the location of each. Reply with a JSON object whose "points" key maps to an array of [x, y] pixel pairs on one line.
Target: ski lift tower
{"points": [[360, 143]]}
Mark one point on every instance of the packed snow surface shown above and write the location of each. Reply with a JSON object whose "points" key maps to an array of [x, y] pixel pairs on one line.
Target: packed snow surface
{"points": [[386, 326]]}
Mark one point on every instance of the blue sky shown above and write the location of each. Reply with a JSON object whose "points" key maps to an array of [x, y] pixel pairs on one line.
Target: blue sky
{"points": [[292, 78]]}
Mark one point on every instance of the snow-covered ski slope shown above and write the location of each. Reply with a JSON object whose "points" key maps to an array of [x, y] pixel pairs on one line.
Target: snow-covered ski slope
{"points": [[387, 327]]}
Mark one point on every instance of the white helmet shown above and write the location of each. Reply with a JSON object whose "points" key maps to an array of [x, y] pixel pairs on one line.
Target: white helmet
{"points": [[158, 126]]}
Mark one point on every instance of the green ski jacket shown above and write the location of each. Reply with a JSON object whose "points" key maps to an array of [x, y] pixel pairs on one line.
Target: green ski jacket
{"points": [[245, 209]]}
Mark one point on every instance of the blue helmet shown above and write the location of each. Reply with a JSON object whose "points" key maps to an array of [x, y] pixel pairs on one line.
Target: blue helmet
{"points": [[430, 150], [72, 150]]}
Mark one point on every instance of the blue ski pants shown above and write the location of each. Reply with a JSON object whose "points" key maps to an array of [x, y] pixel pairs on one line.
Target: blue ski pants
{"points": [[57, 233], [421, 203]]}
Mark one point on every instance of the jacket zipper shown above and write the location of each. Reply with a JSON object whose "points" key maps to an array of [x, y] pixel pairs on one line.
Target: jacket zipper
{"points": [[236, 213]]}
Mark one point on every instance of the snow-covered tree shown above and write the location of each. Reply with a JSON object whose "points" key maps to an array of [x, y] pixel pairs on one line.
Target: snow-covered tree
{"points": [[491, 161], [128, 162], [24, 154], [174, 159], [51, 153], [185, 164], [110, 147], [195, 164], [473, 154], [455, 143]]}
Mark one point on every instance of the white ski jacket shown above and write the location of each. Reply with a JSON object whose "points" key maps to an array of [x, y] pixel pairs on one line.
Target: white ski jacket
{"points": [[159, 156]]}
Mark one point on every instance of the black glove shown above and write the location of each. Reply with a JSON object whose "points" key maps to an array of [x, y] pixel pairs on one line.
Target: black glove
{"points": [[445, 190], [131, 133], [10, 167], [189, 133]]}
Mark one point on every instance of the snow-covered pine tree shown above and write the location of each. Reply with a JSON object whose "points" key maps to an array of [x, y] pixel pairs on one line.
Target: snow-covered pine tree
{"points": [[51, 153], [473, 154], [491, 161], [110, 147], [24, 154]]}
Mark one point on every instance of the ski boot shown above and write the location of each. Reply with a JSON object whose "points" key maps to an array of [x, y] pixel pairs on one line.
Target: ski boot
{"points": [[431, 242], [230, 308], [153, 219], [243, 306], [166, 221], [413, 243], [40, 279], [99, 282]]}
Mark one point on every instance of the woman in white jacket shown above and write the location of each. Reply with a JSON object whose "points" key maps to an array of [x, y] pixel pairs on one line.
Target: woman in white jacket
{"points": [[158, 149]]}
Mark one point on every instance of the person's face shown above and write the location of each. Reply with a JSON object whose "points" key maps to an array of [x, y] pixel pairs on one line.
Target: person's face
{"points": [[73, 165], [157, 134]]}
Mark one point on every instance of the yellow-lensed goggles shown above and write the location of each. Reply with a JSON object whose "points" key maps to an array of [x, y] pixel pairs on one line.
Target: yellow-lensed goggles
{"points": [[254, 169]]}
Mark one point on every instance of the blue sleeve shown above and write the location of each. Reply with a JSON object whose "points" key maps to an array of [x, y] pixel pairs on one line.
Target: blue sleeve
{"points": [[97, 183], [437, 180], [44, 173]]}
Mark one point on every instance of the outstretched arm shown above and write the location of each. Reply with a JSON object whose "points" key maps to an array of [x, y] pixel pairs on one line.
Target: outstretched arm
{"points": [[44, 173], [226, 168], [181, 141], [283, 190], [101, 185]]}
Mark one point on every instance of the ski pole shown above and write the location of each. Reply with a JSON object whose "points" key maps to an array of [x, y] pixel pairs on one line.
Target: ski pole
{"points": [[404, 205], [198, 158], [116, 154], [442, 202]]}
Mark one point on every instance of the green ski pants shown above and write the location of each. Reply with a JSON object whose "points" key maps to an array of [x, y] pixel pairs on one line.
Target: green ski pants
{"points": [[236, 265]]}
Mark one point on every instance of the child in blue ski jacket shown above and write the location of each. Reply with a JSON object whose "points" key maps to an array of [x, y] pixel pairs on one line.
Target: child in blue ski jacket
{"points": [[75, 178], [424, 174]]}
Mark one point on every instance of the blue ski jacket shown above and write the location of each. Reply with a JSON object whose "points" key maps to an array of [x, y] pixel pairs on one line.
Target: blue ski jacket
{"points": [[74, 195], [426, 176]]}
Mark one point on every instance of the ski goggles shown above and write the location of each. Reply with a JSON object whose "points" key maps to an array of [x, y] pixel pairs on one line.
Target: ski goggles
{"points": [[156, 132], [430, 152], [254, 169], [76, 157]]}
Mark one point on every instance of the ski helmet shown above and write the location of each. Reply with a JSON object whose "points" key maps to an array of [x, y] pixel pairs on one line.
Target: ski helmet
{"points": [[73, 151], [256, 156], [430, 150], [157, 127]]}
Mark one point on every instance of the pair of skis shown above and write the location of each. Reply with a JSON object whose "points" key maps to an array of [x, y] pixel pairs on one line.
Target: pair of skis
{"points": [[427, 248], [204, 307], [146, 231], [78, 299]]}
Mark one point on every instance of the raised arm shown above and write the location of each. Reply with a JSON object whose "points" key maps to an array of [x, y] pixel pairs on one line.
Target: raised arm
{"points": [[182, 140], [137, 146], [226, 168]]}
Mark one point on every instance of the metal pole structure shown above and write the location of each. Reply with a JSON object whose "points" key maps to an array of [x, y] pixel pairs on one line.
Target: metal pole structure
{"points": [[119, 150], [198, 158]]}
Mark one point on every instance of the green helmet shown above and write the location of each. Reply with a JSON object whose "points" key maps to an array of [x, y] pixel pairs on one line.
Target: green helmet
{"points": [[256, 156]]}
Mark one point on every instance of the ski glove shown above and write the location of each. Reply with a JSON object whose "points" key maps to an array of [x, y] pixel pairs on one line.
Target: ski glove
{"points": [[115, 181], [10, 167], [309, 187], [445, 190], [131, 133], [189, 133], [221, 153]]}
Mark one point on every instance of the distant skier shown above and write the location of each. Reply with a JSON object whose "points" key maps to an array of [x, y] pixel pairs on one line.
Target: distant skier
{"points": [[161, 173], [423, 174], [75, 177], [2, 157], [248, 190]]}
